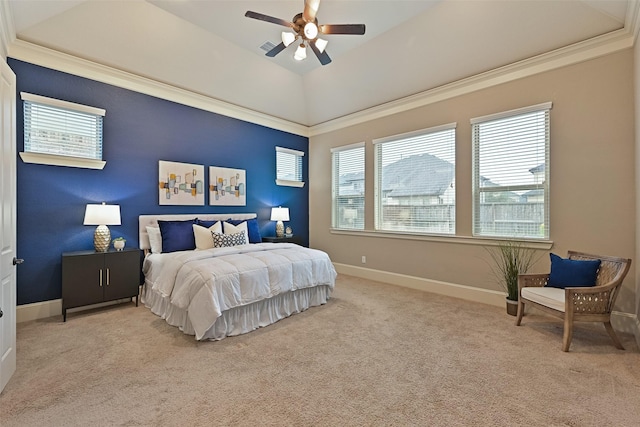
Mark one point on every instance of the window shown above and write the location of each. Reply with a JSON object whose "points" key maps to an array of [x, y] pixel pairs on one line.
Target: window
{"points": [[511, 173], [289, 167], [415, 181], [55, 128], [347, 196]]}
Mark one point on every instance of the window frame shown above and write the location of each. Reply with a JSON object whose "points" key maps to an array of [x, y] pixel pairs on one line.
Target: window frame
{"points": [[299, 165], [478, 190], [62, 107], [378, 143], [335, 186]]}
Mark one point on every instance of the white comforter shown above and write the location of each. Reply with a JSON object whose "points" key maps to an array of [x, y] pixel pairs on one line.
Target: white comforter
{"points": [[207, 282]]}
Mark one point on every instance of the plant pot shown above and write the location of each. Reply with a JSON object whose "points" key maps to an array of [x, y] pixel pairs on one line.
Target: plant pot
{"points": [[118, 245], [512, 307]]}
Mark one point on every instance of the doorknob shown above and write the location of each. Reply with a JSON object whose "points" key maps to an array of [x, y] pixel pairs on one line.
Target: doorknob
{"points": [[1, 313], [17, 261]]}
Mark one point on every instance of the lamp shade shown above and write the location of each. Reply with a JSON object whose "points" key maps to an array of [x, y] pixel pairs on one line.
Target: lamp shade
{"points": [[301, 53], [102, 215], [288, 38], [279, 214]]}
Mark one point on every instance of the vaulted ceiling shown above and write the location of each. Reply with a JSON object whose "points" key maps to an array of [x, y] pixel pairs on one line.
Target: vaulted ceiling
{"points": [[210, 48]]}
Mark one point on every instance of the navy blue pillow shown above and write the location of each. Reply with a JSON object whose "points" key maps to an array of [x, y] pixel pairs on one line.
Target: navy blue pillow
{"points": [[177, 235], [252, 228], [572, 273]]}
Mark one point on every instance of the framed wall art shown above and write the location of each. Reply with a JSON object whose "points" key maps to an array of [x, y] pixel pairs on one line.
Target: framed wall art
{"points": [[227, 187], [180, 184]]}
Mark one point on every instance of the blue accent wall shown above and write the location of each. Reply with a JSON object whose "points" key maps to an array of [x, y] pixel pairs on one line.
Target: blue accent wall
{"points": [[139, 130]]}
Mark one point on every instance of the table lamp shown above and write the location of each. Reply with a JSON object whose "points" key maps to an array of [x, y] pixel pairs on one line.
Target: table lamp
{"points": [[102, 215], [279, 214]]}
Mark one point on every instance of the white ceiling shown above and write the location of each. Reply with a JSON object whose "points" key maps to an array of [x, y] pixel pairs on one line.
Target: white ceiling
{"points": [[209, 48]]}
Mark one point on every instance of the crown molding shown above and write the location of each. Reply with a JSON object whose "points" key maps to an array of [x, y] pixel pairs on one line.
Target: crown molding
{"points": [[579, 52], [56, 60]]}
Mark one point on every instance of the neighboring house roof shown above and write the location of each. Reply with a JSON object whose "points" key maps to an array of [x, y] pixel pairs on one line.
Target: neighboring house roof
{"points": [[417, 175], [352, 184]]}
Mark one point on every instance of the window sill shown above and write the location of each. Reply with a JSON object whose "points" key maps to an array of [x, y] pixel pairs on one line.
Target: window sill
{"points": [[464, 240], [54, 160], [287, 183]]}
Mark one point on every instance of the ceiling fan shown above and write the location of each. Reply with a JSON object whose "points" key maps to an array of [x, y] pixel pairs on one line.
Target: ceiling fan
{"points": [[306, 28]]}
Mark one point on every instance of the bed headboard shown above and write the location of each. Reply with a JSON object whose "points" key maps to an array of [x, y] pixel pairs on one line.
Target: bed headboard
{"points": [[152, 220]]}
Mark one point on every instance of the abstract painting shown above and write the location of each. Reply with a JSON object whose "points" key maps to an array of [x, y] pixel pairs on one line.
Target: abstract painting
{"points": [[227, 187], [180, 184]]}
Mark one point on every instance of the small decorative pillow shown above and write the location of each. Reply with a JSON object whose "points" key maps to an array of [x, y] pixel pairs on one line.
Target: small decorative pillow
{"points": [[233, 229], [203, 237], [224, 240], [155, 239], [253, 228], [572, 273]]}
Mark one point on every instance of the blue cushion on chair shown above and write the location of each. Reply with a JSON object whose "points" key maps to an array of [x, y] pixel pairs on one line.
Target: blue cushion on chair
{"points": [[572, 273]]}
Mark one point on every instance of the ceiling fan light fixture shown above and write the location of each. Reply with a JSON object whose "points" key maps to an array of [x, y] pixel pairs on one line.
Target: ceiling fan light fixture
{"points": [[310, 30], [321, 44], [301, 53], [288, 38]]}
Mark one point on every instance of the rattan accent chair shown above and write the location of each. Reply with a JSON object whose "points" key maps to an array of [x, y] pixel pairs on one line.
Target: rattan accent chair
{"points": [[584, 304]]}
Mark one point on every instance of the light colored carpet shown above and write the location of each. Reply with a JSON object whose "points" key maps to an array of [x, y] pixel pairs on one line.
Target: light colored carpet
{"points": [[375, 355]]}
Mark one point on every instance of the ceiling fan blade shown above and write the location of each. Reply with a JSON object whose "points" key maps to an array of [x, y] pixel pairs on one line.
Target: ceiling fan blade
{"points": [[267, 18], [276, 50], [310, 10], [357, 29], [323, 57]]}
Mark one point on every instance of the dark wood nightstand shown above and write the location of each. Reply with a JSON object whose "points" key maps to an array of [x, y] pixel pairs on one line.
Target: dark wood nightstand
{"points": [[90, 277], [293, 239]]}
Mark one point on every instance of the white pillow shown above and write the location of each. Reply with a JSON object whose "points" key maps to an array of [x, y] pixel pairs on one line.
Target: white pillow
{"points": [[155, 239], [204, 238], [233, 229]]}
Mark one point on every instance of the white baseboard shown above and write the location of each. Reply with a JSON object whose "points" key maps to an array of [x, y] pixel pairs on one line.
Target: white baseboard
{"points": [[623, 322], [38, 310], [470, 293], [44, 309]]}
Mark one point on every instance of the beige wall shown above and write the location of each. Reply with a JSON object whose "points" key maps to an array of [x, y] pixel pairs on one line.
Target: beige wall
{"points": [[592, 186]]}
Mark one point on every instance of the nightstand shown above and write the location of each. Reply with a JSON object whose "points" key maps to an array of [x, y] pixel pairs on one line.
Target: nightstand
{"points": [[90, 277], [293, 239]]}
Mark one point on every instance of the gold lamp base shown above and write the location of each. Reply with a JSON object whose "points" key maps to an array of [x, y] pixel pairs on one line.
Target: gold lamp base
{"points": [[102, 238], [279, 229]]}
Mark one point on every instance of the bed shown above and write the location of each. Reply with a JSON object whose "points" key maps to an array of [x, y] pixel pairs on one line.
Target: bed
{"points": [[231, 283]]}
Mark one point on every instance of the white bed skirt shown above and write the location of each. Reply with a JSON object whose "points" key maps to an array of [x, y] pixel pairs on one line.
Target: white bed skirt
{"points": [[239, 320]]}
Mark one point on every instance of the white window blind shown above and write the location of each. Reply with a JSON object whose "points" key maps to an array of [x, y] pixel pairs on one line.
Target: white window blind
{"points": [[511, 173], [61, 128], [348, 187], [289, 167], [415, 181]]}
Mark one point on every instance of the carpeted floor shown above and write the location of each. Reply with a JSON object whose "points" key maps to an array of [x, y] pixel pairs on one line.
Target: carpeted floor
{"points": [[375, 355]]}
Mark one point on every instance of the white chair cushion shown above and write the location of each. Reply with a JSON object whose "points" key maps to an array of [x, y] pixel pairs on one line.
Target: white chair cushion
{"points": [[547, 296]]}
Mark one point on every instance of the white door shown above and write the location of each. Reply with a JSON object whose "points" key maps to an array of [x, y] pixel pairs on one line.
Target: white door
{"points": [[7, 223]]}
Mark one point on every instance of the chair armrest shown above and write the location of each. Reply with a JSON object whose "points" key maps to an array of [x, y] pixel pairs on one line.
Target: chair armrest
{"points": [[532, 280], [592, 299]]}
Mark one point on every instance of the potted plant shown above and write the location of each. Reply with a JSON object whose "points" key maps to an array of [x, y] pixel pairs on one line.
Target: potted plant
{"points": [[118, 243], [509, 259]]}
